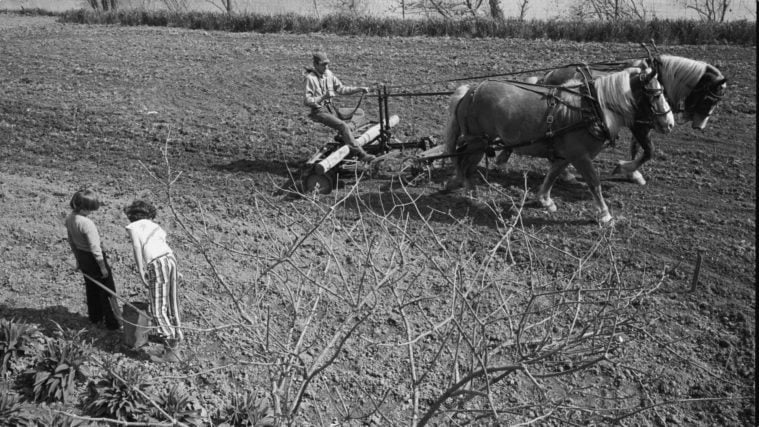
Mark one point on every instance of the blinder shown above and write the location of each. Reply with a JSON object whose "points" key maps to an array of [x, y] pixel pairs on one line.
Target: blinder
{"points": [[646, 75], [705, 96]]}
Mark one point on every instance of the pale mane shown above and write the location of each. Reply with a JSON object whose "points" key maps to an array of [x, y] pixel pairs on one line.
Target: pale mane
{"points": [[614, 94], [679, 76]]}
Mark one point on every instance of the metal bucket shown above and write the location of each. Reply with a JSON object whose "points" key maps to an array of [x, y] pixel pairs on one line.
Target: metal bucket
{"points": [[136, 325]]}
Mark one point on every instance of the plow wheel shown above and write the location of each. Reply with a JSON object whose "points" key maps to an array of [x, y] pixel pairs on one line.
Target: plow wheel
{"points": [[318, 183]]}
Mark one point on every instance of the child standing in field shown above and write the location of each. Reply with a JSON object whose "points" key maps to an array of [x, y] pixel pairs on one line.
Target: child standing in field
{"points": [[158, 269], [84, 240]]}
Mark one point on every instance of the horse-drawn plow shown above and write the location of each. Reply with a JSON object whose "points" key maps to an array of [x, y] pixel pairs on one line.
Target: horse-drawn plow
{"points": [[693, 87], [404, 160]]}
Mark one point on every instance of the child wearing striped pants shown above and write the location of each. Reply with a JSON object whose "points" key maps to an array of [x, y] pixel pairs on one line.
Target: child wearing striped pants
{"points": [[158, 269]]}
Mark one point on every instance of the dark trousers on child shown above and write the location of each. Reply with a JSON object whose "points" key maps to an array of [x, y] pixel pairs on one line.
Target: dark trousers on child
{"points": [[326, 117], [100, 304]]}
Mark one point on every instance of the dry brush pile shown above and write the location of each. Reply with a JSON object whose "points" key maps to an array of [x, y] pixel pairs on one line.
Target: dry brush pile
{"points": [[360, 318]]}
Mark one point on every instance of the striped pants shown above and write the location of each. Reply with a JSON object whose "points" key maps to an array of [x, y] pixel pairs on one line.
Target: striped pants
{"points": [[162, 279]]}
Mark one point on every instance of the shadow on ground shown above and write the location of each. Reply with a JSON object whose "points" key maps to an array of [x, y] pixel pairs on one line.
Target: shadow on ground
{"points": [[45, 319], [282, 169]]}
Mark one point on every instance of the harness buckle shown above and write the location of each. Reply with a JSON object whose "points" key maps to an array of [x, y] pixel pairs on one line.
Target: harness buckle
{"points": [[552, 97]]}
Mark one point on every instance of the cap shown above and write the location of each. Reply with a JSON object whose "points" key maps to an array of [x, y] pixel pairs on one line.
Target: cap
{"points": [[320, 58]]}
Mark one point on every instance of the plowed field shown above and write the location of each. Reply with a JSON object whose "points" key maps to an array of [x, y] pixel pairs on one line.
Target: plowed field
{"points": [[95, 105]]}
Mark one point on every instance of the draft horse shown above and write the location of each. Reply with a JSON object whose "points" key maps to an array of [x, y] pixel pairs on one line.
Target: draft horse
{"points": [[693, 89], [567, 124]]}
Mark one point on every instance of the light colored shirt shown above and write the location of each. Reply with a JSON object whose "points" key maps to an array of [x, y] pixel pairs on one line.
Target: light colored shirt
{"points": [[149, 238], [320, 84], [83, 235]]}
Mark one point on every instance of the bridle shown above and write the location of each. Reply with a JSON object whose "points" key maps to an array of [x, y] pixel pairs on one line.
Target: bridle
{"points": [[703, 98], [653, 94]]}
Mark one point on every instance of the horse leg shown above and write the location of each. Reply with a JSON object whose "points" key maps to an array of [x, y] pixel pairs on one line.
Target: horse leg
{"points": [[630, 168], [544, 194], [585, 166], [466, 165]]}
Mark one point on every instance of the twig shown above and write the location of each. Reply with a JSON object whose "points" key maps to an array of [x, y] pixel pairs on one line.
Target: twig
{"points": [[118, 297], [674, 402], [116, 422], [534, 420], [696, 272]]}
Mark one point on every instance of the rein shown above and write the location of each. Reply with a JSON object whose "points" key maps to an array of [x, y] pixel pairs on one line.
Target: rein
{"points": [[587, 92], [336, 111]]}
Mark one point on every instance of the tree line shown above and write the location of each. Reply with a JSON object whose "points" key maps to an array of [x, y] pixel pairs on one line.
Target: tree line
{"points": [[605, 10]]}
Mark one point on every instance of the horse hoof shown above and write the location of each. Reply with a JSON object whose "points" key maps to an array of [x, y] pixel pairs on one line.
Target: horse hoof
{"points": [[637, 178], [549, 205], [605, 219]]}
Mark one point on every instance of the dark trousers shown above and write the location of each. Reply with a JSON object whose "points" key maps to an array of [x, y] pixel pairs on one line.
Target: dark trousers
{"points": [[99, 301], [325, 117]]}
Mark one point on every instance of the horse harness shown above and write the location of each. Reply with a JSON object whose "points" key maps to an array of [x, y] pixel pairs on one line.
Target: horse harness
{"points": [[592, 117]]}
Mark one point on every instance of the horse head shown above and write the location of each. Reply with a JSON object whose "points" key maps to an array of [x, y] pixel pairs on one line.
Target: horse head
{"points": [[692, 87], [701, 102], [654, 105]]}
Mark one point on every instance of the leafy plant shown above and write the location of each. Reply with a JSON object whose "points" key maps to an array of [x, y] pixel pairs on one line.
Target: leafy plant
{"points": [[10, 409], [15, 338], [178, 403], [50, 418], [60, 365], [117, 395], [249, 409]]}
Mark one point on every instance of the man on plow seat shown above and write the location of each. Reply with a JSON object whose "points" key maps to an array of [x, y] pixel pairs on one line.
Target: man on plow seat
{"points": [[321, 87]]}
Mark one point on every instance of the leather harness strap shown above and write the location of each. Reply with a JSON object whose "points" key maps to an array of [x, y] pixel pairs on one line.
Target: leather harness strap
{"points": [[592, 117], [592, 96]]}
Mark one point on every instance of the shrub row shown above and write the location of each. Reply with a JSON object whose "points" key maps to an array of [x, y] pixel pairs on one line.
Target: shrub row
{"points": [[662, 31]]}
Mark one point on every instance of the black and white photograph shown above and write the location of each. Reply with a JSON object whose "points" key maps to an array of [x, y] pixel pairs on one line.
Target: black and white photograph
{"points": [[340, 213]]}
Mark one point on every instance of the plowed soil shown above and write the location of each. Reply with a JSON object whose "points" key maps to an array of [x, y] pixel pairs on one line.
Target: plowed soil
{"points": [[95, 105]]}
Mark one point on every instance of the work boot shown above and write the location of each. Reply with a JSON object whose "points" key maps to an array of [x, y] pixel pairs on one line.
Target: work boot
{"points": [[362, 155]]}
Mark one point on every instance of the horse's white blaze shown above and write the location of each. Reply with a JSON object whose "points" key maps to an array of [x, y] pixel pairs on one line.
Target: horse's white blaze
{"points": [[663, 122]]}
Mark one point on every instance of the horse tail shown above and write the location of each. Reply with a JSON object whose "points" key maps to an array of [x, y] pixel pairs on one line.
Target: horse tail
{"points": [[452, 128]]}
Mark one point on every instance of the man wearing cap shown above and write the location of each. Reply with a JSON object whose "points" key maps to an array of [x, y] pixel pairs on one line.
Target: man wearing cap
{"points": [[321, 87]]}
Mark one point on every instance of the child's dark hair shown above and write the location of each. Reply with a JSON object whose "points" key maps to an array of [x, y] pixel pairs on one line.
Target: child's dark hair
{"points": [[140, 209], [85, 200]]}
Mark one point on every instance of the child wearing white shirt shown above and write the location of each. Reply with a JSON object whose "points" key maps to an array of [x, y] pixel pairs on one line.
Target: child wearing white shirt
{"points": [[158, 269]]}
